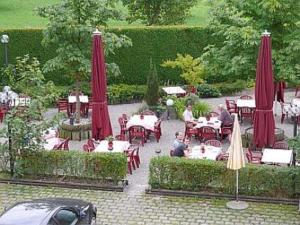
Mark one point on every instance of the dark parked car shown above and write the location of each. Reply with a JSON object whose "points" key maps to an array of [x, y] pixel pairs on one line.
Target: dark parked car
{"points": [[52, 211]]}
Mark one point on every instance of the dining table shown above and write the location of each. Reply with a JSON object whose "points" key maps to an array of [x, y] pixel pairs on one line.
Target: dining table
{"points": [[51, 142], [213, 122], [277, 156], [174, 90], [245, 103], [147, 121], [117, 147], [210, 152]]}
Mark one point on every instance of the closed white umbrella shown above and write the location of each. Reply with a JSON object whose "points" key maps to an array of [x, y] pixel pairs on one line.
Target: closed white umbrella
{"points": [[236, 161]]}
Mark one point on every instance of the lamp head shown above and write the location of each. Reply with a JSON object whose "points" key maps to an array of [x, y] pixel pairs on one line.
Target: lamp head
{"points": [[4, 39]]}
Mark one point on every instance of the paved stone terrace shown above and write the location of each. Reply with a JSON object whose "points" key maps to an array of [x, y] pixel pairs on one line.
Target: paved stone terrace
{"points": [[127, 209], [134, 207]]}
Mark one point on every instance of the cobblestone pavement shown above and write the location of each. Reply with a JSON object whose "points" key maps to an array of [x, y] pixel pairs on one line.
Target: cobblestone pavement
{"points": [[125, 209]]}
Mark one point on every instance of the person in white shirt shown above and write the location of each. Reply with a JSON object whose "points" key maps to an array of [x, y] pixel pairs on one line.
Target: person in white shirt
{"points": [[188, 114]]}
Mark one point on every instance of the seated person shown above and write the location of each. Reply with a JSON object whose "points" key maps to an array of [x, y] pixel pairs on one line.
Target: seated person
{"points": [[178, 139], [225, 116], [182, 149], [188, 114]]}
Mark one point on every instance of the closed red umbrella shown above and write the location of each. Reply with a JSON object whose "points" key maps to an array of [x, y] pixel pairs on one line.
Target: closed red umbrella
{"points": [[101, 127], [264, 124]]}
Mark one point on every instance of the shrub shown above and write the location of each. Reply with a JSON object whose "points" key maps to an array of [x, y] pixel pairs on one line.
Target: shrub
{"points": [[205, 175], [227, 88], [74, 164], [152, 91], [124, 93], [208, 91], [147, 42]]}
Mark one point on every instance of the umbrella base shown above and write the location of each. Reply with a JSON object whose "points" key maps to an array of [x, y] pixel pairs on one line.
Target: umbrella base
{"points": [[239, 205]]}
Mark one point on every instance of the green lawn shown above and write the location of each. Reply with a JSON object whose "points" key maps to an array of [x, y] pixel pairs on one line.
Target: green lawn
{"points": [[20, 14]]}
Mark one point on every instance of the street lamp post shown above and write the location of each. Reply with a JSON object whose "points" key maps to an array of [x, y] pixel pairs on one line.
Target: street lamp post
{"points": [[4, 41]]}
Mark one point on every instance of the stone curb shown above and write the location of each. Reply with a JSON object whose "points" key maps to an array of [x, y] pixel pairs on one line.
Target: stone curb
{"points": [[260, 199], [116, 188]]}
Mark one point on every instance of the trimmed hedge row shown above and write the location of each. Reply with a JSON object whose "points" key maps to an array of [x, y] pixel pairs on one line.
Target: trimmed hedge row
{"points": [[73, 164], [158, 43], [204, 175]]}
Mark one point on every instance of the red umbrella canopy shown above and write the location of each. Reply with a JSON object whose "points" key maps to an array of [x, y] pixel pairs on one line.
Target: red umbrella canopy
{"points": [[101, 126], [264, 124]]}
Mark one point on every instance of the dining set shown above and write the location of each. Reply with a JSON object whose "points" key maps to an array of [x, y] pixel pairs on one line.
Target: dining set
{"points": [[68, 105], [140, 127]]}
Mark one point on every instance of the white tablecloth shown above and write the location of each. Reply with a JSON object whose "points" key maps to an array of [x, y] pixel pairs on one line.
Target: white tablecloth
{"points": [[49, 133], [213, 122], [277, 156], [296, 101], [51, 142], [118, 146], [245, 103], [211, 152], [148, 122], [82, 98], [174, 90]]}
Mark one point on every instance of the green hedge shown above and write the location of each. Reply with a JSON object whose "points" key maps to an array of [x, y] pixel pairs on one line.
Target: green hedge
{"points": [[159, 43], [205, 175], [74, 164]]}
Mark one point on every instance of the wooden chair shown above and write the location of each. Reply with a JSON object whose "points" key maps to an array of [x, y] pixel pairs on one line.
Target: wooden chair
{"points": [[245, 97], [123, 128], [214, 143], [281, 145], [206, 133], [223, 156], [156, 131], [231, 106], [87, 148], [91, 144], [137, 132], [63, 105]]}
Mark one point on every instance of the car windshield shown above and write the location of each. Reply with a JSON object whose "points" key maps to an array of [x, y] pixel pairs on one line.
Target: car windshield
{"points": [[26, 214]]}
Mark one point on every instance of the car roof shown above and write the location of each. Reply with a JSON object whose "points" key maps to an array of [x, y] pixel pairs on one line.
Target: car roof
{"points": [[34, 212]]}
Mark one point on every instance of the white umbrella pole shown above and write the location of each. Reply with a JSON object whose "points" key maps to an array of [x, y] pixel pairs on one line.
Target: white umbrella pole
{"points": [[237, 186]]}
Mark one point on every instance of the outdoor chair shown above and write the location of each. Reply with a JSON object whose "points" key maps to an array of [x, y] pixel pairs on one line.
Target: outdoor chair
{"points": [[189, 130], [223, 156], [120, 137], [91, 144], [66, 144], [231, 106], [245, 97], [156, 131], [3, 111], [284, 112], [125, 118], [214, 143], [122, 124], [297, 92], [87, 148], [226, 130], [206, 133], [253, 157], [281, 145], [63, 105], [247, 112], [130, 161], [137, 132], [136, 155]]}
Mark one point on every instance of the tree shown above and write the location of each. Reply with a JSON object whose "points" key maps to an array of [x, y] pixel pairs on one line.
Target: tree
{"points": [[70, 27], [152, 92], [159, 12], [240, 23], [192, 69]]}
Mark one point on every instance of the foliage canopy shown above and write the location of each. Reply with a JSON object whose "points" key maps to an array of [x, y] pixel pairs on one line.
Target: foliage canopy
{"points": [[159, 12], [241, 22]]}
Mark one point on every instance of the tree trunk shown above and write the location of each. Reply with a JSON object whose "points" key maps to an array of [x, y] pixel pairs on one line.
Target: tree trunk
{"points": [[77, 111]]}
